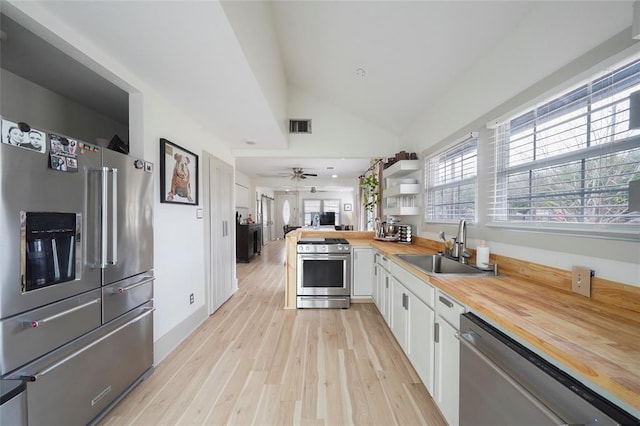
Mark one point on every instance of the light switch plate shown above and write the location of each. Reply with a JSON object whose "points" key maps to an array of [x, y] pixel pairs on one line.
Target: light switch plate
{"points": [[581, 280]]}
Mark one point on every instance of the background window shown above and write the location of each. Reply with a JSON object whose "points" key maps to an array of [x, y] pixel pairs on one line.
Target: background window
{"points": [[311, 206]]}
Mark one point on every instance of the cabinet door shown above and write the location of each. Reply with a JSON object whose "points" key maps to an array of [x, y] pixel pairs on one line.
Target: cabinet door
{"points": [[447, 371], [385, 296], [399, 312], [420, 339], [375, 288], [362, 260]]}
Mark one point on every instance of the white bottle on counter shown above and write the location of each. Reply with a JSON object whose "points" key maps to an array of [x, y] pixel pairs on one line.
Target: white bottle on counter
{"points": [[482, 255]]}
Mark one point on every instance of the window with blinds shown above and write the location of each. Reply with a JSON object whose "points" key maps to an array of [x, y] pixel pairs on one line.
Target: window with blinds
{"points": [[451, 182], [311, 206], [570, 160]]}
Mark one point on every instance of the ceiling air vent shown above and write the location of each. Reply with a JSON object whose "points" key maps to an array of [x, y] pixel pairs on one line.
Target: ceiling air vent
{"points": [[300, 126]]}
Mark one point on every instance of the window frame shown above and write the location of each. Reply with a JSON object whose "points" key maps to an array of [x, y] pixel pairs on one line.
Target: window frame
{"points": [[459, 148], [321, 209], [499, 209]]}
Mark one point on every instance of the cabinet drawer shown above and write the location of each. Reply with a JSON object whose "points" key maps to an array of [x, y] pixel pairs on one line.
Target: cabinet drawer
{"points": [[31, 334], [125, 295], [76, 383], [449, 309], [421, 288], [382, 261]]}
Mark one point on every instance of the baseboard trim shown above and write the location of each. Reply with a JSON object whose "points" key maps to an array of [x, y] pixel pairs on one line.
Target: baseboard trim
{"points": [[170, 340]]}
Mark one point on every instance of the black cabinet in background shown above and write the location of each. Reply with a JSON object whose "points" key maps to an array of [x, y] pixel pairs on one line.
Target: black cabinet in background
{"points": [[248, 241]]}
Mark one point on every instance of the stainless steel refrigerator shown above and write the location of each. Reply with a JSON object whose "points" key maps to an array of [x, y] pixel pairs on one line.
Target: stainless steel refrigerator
{"points": [[76, 276]]}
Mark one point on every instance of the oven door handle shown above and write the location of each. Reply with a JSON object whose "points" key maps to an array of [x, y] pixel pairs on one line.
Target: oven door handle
{"points": [[324, 256]]}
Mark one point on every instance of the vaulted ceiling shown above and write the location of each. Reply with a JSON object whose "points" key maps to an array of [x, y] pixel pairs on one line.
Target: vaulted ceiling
{"points": [[233, 66]]}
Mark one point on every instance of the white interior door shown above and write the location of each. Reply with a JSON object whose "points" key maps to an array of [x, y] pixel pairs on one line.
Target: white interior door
{"points": [[286, 212], [219, 230]]}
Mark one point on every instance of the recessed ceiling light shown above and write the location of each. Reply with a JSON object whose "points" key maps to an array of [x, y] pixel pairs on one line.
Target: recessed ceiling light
{"points": [[334, 176], [250, 142], [360, 72]]}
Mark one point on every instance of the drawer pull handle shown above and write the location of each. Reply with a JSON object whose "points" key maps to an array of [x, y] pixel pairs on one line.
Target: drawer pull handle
{"points": [[37, 376], [132, 286], [37, 323], [446, 302]]}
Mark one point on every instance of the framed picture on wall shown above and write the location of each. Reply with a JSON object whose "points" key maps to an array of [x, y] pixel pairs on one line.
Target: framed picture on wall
{"points": [[178, 174], [347, 207]]}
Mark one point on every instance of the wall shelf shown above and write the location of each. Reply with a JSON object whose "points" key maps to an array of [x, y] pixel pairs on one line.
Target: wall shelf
{"points": [[401, 168], [402, 211], [401, 189]]}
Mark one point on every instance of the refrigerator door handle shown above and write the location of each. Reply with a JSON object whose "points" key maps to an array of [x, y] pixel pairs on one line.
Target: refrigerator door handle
{"points": [[103, 218], [114, 218]]}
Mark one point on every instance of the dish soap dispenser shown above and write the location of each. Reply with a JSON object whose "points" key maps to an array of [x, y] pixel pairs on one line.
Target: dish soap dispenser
{"points": [[482, 255]]}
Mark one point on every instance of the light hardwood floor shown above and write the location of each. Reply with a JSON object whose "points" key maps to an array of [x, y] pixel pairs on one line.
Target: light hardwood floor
{"points": [[252, 362]]}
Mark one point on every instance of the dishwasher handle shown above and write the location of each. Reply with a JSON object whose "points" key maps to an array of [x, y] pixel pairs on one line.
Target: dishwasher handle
{"points": [[467, 339]]}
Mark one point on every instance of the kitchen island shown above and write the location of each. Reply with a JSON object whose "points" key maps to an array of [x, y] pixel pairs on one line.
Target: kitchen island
{"points": [[595, 339]]}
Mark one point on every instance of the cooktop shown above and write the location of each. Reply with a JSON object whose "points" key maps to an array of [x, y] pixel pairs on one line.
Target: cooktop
{"points": [[314, 240]]}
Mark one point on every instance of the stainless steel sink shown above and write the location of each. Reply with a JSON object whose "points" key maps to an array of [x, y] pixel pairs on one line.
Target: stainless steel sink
{"points": [[437, 264]]}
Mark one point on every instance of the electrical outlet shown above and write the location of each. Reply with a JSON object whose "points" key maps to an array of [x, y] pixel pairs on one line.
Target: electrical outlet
{"points": [[191, 299], [581, 280]]}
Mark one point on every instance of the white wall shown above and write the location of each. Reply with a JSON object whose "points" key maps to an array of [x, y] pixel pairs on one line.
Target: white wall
{"points": [[530, 66], [253, 25], [336, 133], [245, 195], [23, 100], [179, 234], [555, 34]]}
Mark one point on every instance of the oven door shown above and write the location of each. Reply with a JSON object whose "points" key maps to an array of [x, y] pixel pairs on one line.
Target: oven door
{"points": [[321, 274]]}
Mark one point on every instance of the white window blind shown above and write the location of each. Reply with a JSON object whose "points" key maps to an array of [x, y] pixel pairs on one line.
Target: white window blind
{"points": [[311, 206], [570, 160], [451, 182]]}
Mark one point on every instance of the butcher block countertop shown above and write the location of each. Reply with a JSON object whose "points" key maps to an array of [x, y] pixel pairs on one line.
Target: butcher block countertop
{"points": [[598, 339]]}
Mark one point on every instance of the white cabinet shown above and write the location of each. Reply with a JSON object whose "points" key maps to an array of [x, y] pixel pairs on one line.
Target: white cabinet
{"points": [[362, 270], [399, 313], [420, 336], [412, 321], [401, 188], [375, 288], [447, 356], [382, 292]]}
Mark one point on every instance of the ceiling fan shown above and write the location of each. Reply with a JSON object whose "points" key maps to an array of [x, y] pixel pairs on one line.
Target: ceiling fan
{"points": [[298, 174]]}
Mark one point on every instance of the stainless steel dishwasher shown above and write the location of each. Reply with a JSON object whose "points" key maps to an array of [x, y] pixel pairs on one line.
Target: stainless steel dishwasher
{"points": [[504, 383]]}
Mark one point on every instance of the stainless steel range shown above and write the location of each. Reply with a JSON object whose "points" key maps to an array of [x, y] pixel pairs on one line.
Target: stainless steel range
{"points": [[323, 273]]}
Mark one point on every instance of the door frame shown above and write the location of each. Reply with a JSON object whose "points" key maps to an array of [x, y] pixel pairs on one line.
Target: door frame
{"points": [[295, 217]]}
